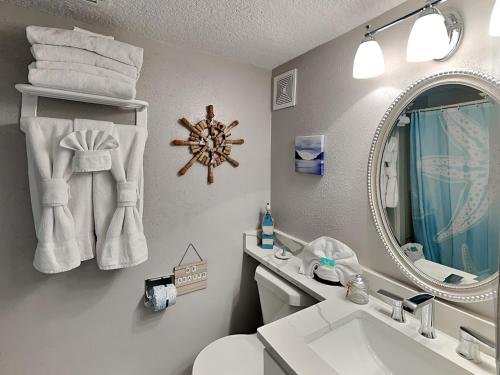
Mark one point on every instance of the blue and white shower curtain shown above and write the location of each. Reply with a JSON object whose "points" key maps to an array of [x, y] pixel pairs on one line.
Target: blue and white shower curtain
{"points": [[454, 202]]}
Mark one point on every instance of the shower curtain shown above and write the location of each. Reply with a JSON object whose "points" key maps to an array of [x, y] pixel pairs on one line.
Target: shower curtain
{"points": [[454, 202]]}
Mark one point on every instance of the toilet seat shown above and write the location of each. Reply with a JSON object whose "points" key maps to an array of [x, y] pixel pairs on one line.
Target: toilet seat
{"points": [[230, 355]]}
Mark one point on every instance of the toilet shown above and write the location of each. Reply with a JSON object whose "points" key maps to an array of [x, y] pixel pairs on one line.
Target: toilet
{"points": [[243, 354]]}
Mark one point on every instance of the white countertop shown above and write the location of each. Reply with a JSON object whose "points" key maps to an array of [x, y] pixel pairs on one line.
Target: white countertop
{"points": [[285, 339], [288, 269]]}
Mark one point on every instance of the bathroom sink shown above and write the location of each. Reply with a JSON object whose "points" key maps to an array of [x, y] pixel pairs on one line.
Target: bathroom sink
{"points": [[362, 344]]}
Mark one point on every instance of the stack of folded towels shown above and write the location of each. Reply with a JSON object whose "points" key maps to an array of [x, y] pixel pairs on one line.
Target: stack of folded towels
{"points": [[82, 61]]}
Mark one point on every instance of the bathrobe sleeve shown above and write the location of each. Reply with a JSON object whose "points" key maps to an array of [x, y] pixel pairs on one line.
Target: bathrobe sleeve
{"points": [[120, 237], [57, 249]]}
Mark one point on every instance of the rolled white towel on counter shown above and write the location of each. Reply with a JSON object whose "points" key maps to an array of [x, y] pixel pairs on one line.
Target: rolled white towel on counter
{"points": [[330, 260], [84, 68], [123, 52], [43, 52], [81, 82]]}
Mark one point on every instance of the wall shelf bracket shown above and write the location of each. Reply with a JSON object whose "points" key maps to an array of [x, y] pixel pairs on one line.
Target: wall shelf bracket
{"points": [[31, 93]]}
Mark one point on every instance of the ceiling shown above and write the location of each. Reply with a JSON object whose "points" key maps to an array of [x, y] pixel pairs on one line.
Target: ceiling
{"points": [[265, 33]]}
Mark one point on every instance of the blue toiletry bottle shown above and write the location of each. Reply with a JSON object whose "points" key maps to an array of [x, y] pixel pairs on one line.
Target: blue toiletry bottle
{"points": [[267, 229]]}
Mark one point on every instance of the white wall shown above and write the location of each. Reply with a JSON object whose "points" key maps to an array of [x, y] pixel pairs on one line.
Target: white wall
{"points": [[347, 111], [88, 321]]}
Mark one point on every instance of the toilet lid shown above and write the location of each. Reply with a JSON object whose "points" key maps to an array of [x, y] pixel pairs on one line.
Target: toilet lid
{"points": [[230, 355]]}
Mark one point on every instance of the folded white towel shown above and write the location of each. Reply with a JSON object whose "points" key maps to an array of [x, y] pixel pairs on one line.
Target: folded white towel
{"points": [[123, 52], [91, 148], [81, 82], [117, 198], [66, 203], [79, 29], [43, 52], [49, 169], [84, 68], [329, 259]]}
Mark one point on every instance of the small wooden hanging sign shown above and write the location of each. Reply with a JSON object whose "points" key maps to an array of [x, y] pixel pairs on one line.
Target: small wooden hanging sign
{"points": [[191, 276]]}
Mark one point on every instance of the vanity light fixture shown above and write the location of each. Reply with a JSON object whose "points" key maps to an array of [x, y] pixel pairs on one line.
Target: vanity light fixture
{"points": [[429, 38], [369, 60], [495, 20], [434, 36]]}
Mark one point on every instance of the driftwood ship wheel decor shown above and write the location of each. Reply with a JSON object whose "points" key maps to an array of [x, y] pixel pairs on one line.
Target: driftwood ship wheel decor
{"points": [[210, 143]]}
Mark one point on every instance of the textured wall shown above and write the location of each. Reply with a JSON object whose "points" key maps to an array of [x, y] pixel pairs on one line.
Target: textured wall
{"points": [[88, 321], [260, 32], [331, 102]]}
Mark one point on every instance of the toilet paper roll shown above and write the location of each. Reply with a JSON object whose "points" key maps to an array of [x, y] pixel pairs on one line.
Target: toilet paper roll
{"points": [[159, 297], [171, 294]]}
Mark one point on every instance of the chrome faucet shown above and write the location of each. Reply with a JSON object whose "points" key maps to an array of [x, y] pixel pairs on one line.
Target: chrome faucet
{"points": [[423, 302], [398, 314], [469, 343]]}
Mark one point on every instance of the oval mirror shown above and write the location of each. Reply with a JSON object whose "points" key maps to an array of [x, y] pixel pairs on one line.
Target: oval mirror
{"points": [[434, 182]]}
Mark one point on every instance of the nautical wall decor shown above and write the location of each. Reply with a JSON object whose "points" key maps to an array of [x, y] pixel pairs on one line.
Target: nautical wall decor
{"points": [[210, 143], [191, 276]]}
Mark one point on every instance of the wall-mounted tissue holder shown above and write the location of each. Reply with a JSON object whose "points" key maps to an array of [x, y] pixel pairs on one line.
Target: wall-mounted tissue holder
{"points": [[159, 293]]}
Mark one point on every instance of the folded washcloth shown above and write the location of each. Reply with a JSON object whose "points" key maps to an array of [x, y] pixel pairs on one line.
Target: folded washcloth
{"points": [[83, 68], [330, 260], [43, 52], [123, 52], [81, 82], [91, 148]]}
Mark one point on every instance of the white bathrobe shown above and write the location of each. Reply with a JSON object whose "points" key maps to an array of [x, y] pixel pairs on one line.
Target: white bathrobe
{"points": [[389, 175]]}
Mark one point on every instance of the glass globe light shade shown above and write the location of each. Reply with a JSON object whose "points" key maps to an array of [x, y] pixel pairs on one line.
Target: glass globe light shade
{"points": [[369, 60], [429, 37], [495, 20]]}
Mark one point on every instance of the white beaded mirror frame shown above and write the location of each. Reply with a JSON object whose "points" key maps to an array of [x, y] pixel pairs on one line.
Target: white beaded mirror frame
{"points": [[477, 292]]}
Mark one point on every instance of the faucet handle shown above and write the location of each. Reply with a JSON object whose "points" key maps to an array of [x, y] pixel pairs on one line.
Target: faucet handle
{"points": [[418, 301], [469, 342], [396, 301]]}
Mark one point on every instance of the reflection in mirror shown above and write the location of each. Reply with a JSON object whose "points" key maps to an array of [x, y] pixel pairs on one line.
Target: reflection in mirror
{"points": [[440, 180]]}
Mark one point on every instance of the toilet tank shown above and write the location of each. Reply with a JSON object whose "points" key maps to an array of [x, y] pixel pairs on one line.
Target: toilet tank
{"points": [[278, 297]]}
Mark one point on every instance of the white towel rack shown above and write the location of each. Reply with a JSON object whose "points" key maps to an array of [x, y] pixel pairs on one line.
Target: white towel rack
{"points": [[31, 93]]}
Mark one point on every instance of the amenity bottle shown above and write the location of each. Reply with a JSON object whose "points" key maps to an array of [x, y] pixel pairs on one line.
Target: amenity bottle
{"points": [[267, 229]]}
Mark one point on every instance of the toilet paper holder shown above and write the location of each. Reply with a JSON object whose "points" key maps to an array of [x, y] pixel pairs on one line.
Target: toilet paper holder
{"points": [[156, 281]]}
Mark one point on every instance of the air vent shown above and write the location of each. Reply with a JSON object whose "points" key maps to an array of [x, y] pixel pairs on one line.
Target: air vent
{"points": [[285, 86]]}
